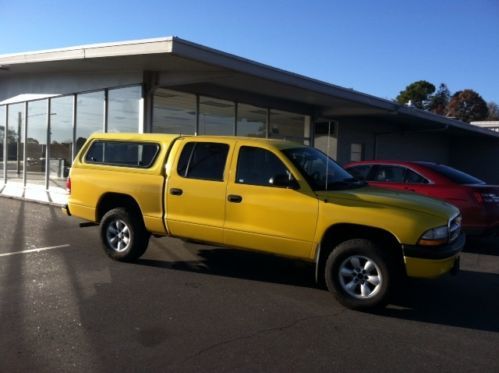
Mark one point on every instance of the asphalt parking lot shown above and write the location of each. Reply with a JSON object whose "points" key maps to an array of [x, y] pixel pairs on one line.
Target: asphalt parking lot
{"points": [[191, 308]]}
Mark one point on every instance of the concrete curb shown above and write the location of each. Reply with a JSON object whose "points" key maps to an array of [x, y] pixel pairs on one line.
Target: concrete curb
{"points": [[55, 204]]}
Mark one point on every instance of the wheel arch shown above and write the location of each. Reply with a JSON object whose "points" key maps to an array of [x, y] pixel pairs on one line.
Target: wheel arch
{"points": [[109, 201], [338, 233]]}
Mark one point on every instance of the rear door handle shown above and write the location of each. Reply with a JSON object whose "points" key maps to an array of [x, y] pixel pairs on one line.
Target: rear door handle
{"points": [[234, 198], [176, 191]]}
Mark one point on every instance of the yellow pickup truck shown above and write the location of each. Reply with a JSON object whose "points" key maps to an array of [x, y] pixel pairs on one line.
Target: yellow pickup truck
{"points": [[273, 196]]}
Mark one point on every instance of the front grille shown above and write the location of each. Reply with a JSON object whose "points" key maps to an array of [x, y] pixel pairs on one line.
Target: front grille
{"points": [[454, 228]]}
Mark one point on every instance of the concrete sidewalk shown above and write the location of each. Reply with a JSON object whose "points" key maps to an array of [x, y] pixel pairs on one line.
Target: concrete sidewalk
{"points": [[37, 193]]}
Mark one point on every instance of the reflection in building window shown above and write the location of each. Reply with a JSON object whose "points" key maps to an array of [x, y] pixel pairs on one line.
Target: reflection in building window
{"points": [[36, 142], [123, 109], [251, 121], [174, 112], [15, 141], [89, 116], [61, 139], [289, 126], [216, 117]]}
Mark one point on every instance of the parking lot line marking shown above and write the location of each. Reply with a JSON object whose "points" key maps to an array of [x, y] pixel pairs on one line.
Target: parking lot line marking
{"points": [[35, 250]]}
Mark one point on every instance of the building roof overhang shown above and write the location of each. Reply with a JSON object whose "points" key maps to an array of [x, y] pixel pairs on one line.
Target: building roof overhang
{"points": [[206, 66]]}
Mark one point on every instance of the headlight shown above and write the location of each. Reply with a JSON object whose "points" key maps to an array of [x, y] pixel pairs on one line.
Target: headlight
{"points": [[435, 236]]}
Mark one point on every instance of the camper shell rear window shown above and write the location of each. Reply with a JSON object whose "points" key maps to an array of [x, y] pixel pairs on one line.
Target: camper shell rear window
{"points": [[122, 153]]}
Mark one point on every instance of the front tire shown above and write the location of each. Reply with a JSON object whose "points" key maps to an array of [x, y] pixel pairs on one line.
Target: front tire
{"points": [[123, 235], [359, 274]]}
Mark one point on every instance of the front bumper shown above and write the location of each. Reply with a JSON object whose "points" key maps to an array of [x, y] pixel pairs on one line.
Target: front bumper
{"points": [[433, 262]]}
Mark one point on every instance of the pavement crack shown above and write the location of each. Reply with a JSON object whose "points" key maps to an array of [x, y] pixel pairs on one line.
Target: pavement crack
{"points": [[256, 334]]}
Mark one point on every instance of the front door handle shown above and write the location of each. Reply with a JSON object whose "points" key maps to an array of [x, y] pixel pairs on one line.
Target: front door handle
{"points": [[176, 191], [234, 198]]}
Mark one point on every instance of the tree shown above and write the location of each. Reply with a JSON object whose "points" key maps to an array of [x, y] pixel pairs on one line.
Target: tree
{"points": [[468, 106], [493, 111], [418, 93], [439, 102]]}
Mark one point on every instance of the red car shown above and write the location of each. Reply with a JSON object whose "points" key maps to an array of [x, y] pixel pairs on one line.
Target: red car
{"points": [[478, 202]]}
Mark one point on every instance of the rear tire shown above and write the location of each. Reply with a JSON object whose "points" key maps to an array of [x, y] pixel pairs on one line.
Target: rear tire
{"points": [[359, 274], [123, 235]]}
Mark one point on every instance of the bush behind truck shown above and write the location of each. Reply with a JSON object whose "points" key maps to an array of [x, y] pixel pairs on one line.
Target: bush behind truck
{"points": [[266, 195]]}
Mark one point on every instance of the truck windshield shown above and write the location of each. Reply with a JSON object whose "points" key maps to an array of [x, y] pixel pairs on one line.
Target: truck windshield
{"points": [[320, 171]]}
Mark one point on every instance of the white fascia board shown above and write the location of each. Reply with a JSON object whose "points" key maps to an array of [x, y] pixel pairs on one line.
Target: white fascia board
{"points": [[135, 47]]}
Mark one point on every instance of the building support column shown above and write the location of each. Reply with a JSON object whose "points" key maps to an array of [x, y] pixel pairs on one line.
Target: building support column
{"points": [[47, 147], [149, 85]]}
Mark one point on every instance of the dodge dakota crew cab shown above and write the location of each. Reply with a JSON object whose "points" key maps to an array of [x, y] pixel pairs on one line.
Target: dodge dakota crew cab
{"points": [[272, 196]]}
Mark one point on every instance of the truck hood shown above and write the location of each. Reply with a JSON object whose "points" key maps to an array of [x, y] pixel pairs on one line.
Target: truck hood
{"points": [[385, 197]]}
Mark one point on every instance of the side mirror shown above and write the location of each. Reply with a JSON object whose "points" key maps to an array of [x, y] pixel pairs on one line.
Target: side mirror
{"points": [[284, 181]]}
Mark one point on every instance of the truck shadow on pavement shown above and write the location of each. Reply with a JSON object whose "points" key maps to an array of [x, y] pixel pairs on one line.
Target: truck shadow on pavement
{"points": [[243, 265], [469, 300]]}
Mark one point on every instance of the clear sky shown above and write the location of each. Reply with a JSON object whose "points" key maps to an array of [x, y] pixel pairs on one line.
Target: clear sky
{"points": [[373, 46]]}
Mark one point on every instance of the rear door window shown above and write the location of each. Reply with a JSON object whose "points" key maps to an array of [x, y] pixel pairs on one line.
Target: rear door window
{"points": [[203, 160], [412, 177]]}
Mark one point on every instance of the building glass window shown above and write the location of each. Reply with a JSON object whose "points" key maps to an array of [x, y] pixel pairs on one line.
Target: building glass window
{"points": [[89, 116], [3, 110], [36, 142], [15, 141], [61, 140], [290, 126], [216, 117], [123, 109], [251, 121], [174, 112]]}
